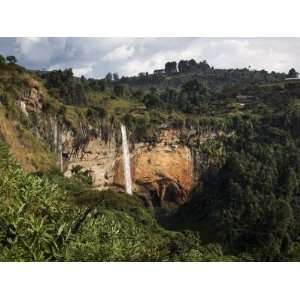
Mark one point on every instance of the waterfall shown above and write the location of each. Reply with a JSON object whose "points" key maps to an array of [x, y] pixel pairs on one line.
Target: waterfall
{"points": [[126, 161], [55, 135], [23, 108], [61, 160], [58, 143]]}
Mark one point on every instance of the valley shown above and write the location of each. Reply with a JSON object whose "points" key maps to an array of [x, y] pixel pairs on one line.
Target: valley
{"points": [[200, 164]]}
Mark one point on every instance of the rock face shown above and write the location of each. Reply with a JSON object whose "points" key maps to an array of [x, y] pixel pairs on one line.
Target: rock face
{"points": [[161, 173], [31, 99], [98, 157]]}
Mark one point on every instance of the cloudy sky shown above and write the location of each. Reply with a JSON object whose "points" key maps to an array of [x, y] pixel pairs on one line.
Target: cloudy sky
{"points": [[95, 57]]}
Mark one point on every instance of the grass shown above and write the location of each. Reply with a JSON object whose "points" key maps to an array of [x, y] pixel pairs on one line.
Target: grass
{"points": [[74, 115], [122, 106], [281, 83], [31, 153]]}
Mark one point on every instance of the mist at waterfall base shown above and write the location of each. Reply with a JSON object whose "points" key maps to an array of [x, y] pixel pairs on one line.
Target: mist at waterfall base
{"points": [[126, 161]]}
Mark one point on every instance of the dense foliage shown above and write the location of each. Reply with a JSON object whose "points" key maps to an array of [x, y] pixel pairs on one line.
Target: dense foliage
{"points": [[251, 203], [245, 205], [41, 220], [69, 89], [176, 74]]}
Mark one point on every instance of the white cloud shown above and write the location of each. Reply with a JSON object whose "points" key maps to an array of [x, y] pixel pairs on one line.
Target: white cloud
{"points": [[123, 52], [94, 57], [82, 71]]}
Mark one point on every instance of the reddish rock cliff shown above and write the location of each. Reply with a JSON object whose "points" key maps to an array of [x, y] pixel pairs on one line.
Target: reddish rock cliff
{"points": [[162, 173]]}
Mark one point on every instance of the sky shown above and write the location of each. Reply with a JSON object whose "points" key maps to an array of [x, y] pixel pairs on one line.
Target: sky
{"points": [[95, 57]]}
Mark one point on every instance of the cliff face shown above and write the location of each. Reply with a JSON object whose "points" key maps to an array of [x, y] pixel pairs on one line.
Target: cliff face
{"points": [[26, 147], [31, 99], [161, 173], [47, 133], [98, 157]]}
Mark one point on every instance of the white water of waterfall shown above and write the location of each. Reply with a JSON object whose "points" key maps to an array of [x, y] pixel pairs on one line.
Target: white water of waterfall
{"points": [[23, 108], [55, 135], [126, 161]]}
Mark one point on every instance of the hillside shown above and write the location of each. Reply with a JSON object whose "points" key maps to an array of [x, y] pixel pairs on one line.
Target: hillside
{"points": [[215, 161], [175, 75]]}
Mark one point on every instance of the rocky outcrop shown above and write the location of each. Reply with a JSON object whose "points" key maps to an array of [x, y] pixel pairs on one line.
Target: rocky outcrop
{"points": [[97, 156], [31, 100], [161, 173]]}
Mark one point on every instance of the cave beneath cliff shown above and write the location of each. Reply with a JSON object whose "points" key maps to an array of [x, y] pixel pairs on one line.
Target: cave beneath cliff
{"points": [[162, 193]]}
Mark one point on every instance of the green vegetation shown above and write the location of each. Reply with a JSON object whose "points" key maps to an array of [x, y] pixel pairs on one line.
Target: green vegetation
{"points": [[245, 205], [176, 74], [44, 221], [250, 202]]}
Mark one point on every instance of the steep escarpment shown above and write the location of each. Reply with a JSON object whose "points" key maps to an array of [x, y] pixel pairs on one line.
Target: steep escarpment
{"points": [[163, 172], [160, 172], [43, 132], [20, 107]]}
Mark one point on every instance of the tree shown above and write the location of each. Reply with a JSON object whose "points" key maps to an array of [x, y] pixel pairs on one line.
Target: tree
{"points": [[67, 74], [139, 94], [119, 90], [203, 66], [109, 77], [2, 59], [183, 66], [96, 113], [171, 67], [152, 99], [192, 95], [11, 59], [192, 65], [292, 73], [116, 77]]}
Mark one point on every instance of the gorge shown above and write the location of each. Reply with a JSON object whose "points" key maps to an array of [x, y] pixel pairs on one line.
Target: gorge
{"points": [[150, 168], [159, 173], [161, 169]]}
